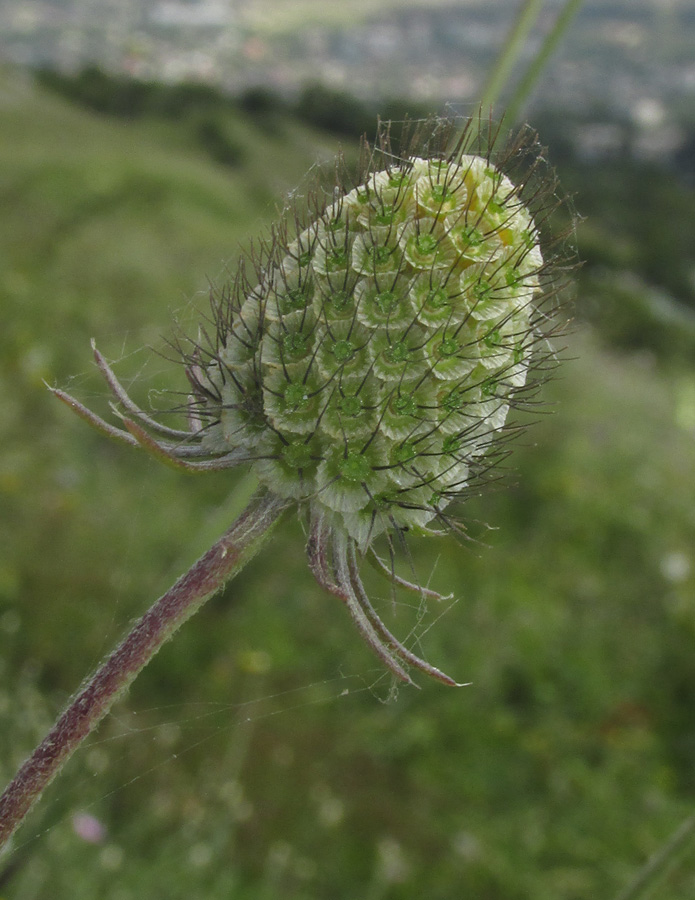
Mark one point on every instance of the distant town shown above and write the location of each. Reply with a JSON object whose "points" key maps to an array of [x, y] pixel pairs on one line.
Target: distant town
{"points": [[630, 60]]}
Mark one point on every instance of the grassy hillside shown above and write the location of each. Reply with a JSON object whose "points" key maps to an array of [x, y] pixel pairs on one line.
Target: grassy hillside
{"points": [[273, 17], [253, 758]]}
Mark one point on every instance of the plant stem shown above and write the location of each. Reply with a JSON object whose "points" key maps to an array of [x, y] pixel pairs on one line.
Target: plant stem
{"points": [[499, 73], [525, 86], [657, 865], [224, 559]]}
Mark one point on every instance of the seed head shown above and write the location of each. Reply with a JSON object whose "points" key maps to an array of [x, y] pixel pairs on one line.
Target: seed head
{"points": [[372, 364], [366, 357]]}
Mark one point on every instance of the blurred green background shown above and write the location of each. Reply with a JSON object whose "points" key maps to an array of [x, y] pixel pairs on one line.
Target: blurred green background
{"points": [[262, 755]]}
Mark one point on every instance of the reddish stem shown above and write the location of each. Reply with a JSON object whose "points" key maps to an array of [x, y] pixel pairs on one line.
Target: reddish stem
{"points": [[224, 559]]}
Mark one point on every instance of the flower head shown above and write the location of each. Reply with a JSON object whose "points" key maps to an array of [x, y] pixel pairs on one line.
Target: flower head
{"points": [[365, 363]]}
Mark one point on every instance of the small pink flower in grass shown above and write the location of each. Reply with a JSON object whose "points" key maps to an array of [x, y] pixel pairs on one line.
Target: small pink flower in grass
{"points": [[88, 827]]}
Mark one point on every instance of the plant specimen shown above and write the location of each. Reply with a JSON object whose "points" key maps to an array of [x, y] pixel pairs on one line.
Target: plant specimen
{"points": [[364, 361]]}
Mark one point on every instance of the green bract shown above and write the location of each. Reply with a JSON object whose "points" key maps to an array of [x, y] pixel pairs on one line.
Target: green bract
{"points": [[375, 361]]}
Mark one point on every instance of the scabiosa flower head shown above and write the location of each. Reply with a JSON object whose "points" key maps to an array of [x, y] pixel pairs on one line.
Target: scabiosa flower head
{"points": [[372, 363], [367, 355]]}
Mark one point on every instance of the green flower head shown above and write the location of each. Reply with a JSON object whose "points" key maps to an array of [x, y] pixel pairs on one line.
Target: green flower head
{"points": [[366, 364], [407, 308]]}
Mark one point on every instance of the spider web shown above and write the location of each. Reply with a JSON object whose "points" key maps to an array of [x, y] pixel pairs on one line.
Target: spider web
{"points": [[150, 745]]}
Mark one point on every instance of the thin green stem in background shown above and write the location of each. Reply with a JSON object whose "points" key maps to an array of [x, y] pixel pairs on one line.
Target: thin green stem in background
{"points": [[499, 73], [523, 89], [658, 864]]}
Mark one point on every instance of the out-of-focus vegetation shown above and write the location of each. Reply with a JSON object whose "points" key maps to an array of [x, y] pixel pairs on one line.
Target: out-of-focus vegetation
{"points": [[253, 759]]}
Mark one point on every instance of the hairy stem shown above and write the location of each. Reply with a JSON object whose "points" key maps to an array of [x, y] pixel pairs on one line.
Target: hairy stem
{"points": [[224, 559]]}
